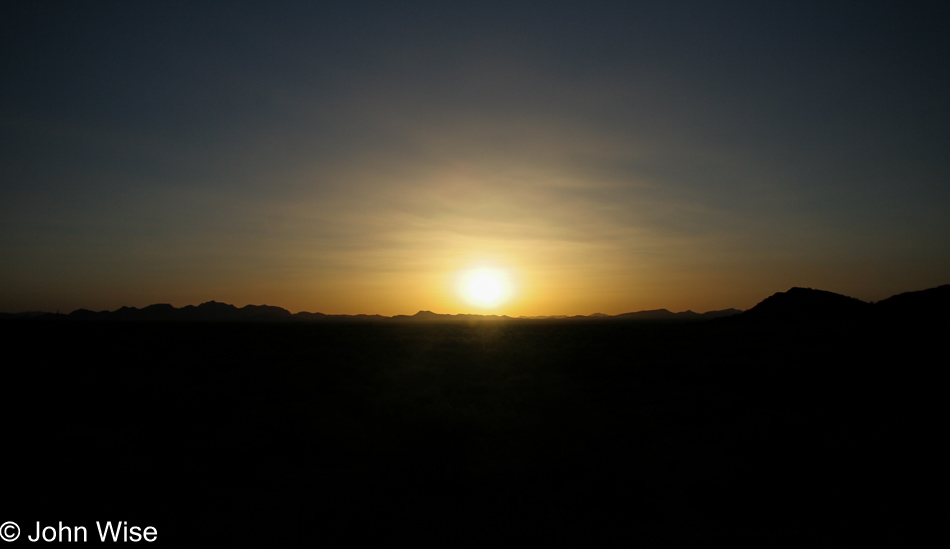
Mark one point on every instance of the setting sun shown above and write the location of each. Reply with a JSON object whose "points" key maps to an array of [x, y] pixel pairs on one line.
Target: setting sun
{"points": [[485, 287]]}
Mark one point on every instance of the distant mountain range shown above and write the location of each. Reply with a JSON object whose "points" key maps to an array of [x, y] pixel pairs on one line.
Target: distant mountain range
{"points": [[797, 304], [214, 311]]}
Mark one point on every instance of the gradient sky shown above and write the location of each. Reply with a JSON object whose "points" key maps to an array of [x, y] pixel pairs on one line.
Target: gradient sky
{"points": [[355, 157]]}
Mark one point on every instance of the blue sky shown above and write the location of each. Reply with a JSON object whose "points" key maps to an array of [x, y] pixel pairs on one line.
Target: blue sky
{"points": [[356, 157]]}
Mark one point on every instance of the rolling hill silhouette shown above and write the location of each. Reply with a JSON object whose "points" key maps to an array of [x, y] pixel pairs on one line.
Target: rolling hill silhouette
{"points": [[926, 305], [806, 304]]}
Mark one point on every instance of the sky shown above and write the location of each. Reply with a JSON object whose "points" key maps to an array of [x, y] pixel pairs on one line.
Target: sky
{"points": [[362, 157]]}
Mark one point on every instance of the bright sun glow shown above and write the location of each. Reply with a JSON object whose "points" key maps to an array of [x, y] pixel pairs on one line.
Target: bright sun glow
{"points": [[485, 287]]}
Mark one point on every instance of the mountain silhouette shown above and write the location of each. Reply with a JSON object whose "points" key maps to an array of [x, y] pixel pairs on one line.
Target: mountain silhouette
{"points": [[796, 305], [776, 417], [925, 305], [807, 304], [665, 314], [211, 311], [429, 316]]}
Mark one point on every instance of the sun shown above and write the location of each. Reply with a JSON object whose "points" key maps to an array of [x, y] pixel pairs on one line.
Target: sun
{"points": [[485, 287]]}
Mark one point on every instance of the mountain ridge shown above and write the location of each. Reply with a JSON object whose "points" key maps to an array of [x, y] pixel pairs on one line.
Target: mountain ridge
{"points": [[796, 304]]}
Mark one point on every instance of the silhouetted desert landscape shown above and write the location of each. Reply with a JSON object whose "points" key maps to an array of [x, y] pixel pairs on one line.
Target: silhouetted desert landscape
{"points": [[321, 274], [805, 420]]}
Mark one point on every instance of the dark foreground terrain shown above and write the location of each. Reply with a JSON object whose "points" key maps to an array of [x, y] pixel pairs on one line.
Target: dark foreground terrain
{"points": [[748, 430]]}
